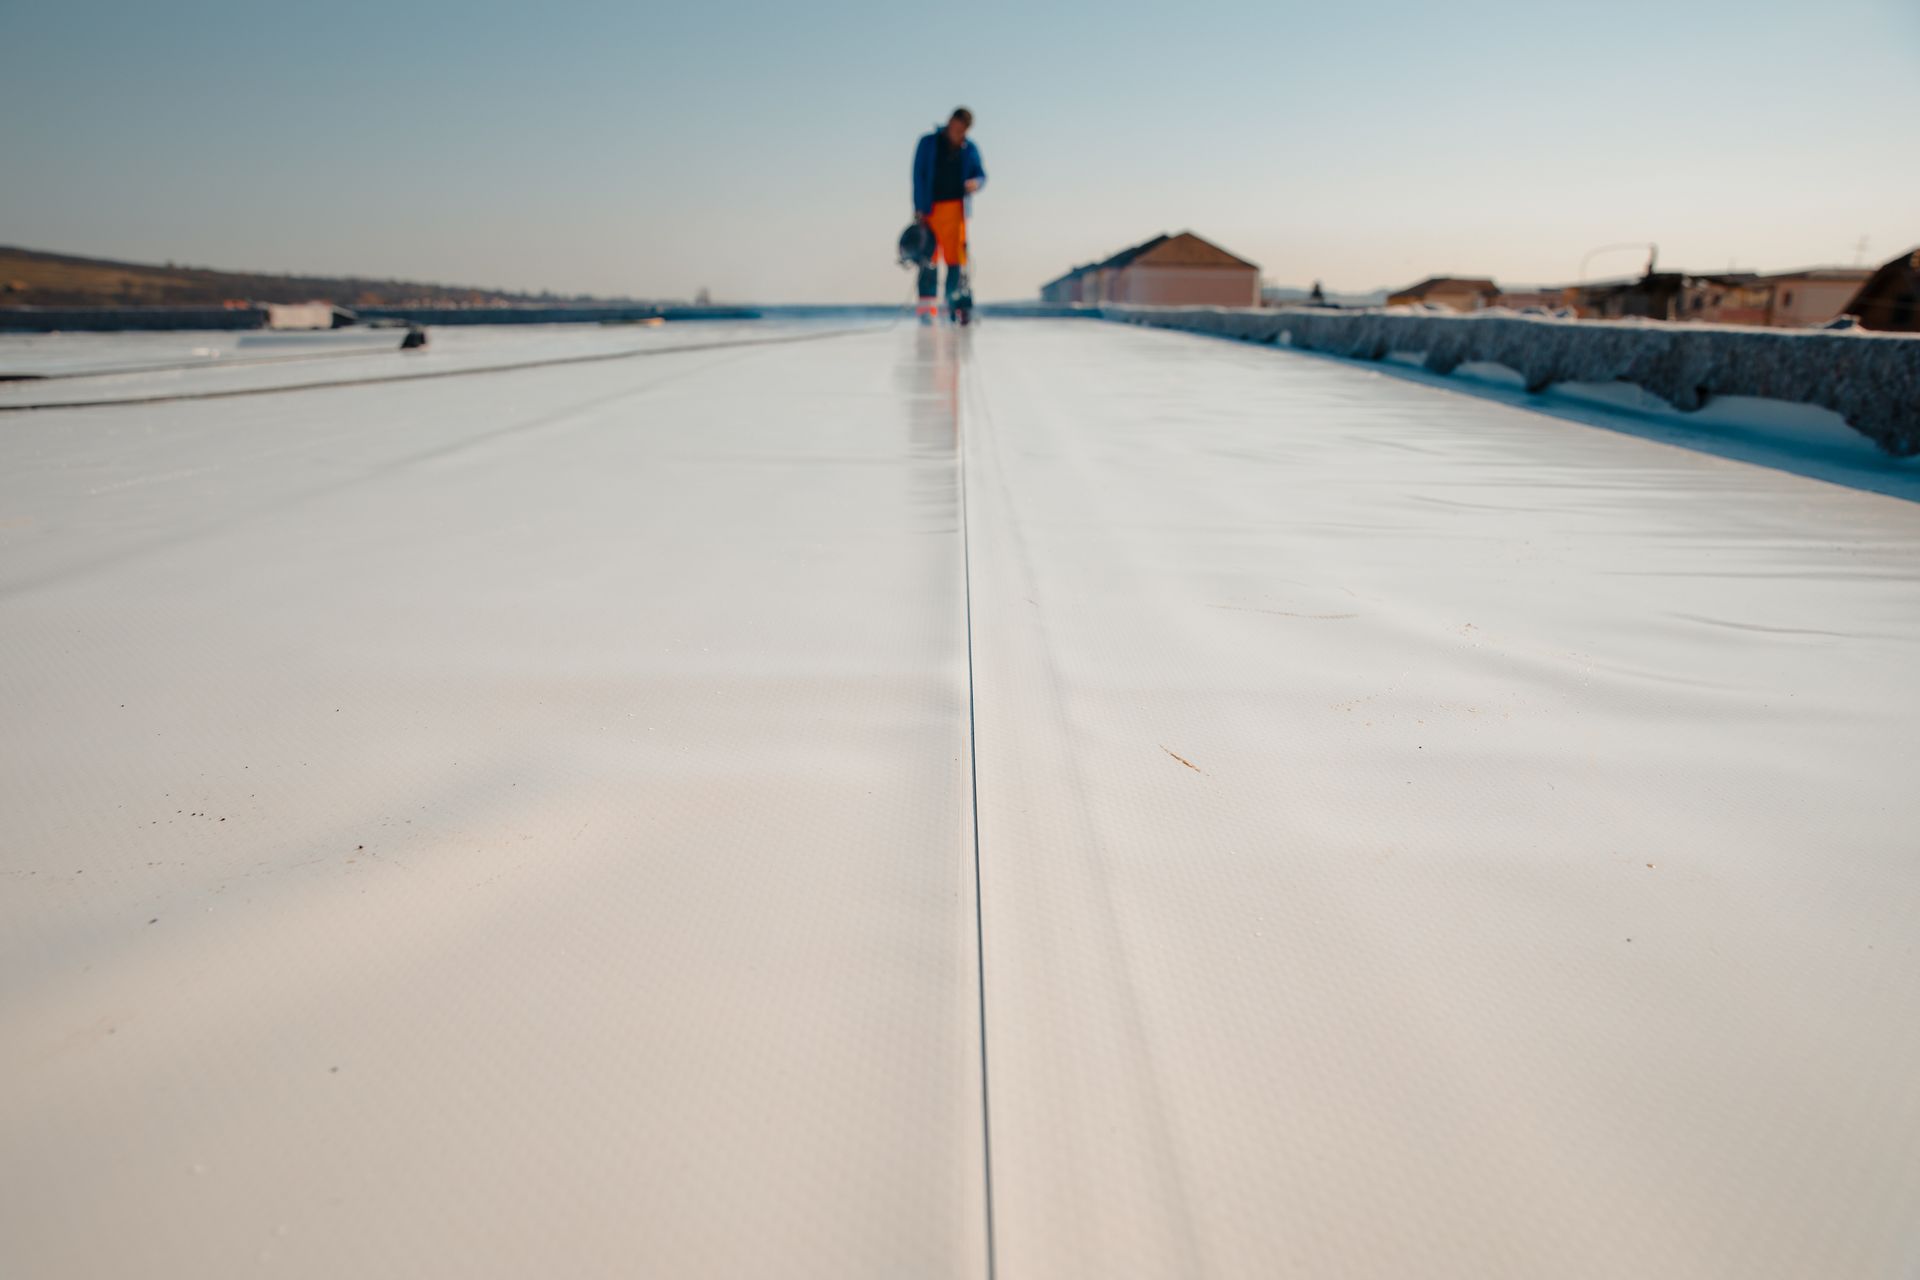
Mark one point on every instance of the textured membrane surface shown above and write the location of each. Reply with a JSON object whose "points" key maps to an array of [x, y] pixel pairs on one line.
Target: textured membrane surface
{"points": [[1424, 839], [525, 824], [508, 826]]}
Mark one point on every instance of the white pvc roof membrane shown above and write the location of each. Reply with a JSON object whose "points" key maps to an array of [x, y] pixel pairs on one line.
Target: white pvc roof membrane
{"points": [[526, 824], [87, 368]]}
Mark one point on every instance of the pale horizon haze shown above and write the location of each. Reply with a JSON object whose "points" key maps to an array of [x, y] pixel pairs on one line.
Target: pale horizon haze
{"points": [[762, 150]]}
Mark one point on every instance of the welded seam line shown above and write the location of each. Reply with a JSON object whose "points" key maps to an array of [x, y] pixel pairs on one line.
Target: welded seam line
{"points": [[194, 366], [973, 769], [515, 367]]}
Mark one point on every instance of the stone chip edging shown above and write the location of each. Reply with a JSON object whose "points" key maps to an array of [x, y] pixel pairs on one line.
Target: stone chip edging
{"points": [[1870, 379]]}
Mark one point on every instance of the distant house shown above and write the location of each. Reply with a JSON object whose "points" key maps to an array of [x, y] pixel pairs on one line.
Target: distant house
{"points": [[1815, 296], [1456, 293], [1890, 299], [1075, 286], [1166, 271], [1544, 299], [1734, 298], [1654, 296], [1789, 299]]}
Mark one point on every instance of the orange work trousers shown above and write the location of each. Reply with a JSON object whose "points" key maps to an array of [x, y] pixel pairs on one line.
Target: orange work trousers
{"points": [[948, 222]]}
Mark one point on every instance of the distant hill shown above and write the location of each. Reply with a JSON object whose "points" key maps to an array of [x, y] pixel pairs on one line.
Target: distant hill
{"points": [[29, 277]]}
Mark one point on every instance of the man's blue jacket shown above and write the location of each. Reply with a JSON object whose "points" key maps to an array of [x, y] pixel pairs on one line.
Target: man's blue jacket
{"points": [[970, 169]]}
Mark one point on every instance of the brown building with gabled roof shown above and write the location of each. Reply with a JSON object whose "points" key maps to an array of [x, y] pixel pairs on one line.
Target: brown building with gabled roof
{"points": [[1456, 293], [1890, 299], [1166, 271]]}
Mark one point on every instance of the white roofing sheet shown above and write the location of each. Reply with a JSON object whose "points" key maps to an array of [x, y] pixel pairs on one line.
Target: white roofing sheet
{"points": [[87, 368], [525, 824]]}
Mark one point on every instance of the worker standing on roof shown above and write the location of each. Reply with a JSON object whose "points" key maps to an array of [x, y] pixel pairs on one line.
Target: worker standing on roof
{"points": [[946, 173]]}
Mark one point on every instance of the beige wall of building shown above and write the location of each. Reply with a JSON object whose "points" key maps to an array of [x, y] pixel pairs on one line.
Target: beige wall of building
{"points": [[1793, 301], [1797, 303], [1148, 285], [1166, 271]]}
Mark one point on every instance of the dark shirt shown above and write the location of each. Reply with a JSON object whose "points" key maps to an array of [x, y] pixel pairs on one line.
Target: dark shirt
{"points": [[948, 184]]}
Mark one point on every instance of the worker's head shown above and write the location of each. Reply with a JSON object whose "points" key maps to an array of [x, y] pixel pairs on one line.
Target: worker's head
{"points": [[957, 125]]}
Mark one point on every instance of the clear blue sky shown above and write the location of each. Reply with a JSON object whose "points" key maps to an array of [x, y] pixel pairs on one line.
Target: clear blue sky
{"points": [[761, 147]]}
